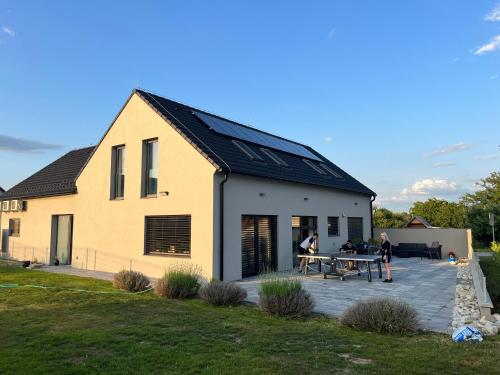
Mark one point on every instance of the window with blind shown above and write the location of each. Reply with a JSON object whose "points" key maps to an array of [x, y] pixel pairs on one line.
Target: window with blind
{"points": [[14, 227], [355, 229], [149, 184], [168, 235], [333, 226], [117, 172]]}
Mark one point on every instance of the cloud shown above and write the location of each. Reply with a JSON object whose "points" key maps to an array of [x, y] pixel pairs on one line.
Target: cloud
{"points": [[441, 165], [328, 139], [425, 188], [11, 144], [493, 15], [494, 76], [493, 45], [488, 157], [7, 30], [430, 186], [458, 147], [331, 34], [455, 59]]}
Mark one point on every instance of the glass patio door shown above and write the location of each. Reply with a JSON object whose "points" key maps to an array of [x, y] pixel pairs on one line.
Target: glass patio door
{"points": [[62, 233]]}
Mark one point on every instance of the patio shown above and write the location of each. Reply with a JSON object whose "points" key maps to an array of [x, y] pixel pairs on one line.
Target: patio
{"points": [[429, 286]]}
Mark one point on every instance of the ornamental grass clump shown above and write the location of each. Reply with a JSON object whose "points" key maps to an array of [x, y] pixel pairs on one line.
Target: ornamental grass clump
{"points": [[285, 297], [383, 315], [222, 293], [131, 281], [179, 282]]}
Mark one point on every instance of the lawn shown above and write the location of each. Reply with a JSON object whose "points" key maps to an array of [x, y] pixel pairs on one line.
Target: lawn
{"points": [[492, 272], [70, 332]]}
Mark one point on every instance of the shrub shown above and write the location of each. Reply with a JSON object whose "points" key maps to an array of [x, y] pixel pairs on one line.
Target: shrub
{"points": [[285, 297], [222, 293], [179, 282], [382, 315], [131, 281]]}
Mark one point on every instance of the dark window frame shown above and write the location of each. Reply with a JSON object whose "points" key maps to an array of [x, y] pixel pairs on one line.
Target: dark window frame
{"points": [[174, 241], [251, 154], [12, 227], [331, 232], [115, 177], [146, 159], [271, 155], [352, 222], [315, 167]]}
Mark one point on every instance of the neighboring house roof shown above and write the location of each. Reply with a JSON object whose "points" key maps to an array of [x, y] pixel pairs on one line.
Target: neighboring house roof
{"points": [[226, 156], [58, 178], [1, 190], [418, 221]]}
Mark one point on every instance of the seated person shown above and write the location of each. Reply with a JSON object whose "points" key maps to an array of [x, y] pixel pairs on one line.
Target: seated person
{"points": [[349, 247]]}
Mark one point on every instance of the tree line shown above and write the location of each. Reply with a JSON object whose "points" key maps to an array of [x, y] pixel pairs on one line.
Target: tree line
{"points": [[471, 211]]}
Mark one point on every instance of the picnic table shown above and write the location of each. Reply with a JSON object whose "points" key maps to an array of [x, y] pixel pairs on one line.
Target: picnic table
{"points": [[331, 260]]}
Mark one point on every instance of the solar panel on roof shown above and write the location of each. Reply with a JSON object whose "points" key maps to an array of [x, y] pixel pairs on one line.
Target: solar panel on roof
{"points": [[251, 135]]}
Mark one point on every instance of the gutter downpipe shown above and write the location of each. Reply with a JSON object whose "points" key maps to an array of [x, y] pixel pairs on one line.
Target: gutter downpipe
{"points": [[221, 225], [372, 199]]}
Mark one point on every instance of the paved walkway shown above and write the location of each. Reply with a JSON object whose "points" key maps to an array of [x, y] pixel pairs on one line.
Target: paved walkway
{"points": [[429, 286]]}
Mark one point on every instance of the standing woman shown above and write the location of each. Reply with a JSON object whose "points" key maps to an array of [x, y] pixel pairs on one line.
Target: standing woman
{"points": [[386, 256]]}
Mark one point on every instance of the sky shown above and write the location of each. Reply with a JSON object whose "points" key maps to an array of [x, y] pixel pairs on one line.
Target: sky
{"points": [[403, 95]]}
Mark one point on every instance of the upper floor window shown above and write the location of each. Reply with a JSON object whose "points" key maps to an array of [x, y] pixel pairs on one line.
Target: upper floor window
{"points": [[247, 150], [14, 227], [150, 167], [118, 172]]}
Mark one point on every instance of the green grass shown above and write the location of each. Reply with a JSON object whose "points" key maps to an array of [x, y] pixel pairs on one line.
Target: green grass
{"points": [[491, 270], [64, 332]]}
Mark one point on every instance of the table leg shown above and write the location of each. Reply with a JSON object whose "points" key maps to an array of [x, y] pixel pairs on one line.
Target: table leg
{"points": [[319, 265], [369, 271], [306, 266], [379, 265]]}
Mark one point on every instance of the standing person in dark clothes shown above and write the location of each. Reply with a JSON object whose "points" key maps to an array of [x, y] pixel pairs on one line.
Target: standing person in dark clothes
{"points": [[386, 253], [306, 246]]}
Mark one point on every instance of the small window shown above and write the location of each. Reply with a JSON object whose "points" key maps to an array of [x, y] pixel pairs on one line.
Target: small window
{"points": [[314, 166], [150, 168], [118, 172], [274, 157], [333, 226], [168, 235], [247, 151], [331, 171], [14, 227], [355, 229]]}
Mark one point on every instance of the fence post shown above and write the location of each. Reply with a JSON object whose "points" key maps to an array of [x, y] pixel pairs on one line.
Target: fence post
{"points": [[95, 257], [87, 259]]}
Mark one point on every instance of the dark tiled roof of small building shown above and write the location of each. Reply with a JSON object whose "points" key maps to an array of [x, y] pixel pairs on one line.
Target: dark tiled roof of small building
{"points": [[57, 178], [1, 190], [225, 155], [416, 220]]}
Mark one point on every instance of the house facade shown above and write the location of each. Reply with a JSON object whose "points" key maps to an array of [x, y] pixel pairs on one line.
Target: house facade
{"points": [[167, 182]]}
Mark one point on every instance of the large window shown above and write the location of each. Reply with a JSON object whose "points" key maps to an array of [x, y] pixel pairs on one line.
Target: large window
{"points": [[168, 234], [118, 172], [355, 229], [14, 227], [150, 168], [333, 226]]}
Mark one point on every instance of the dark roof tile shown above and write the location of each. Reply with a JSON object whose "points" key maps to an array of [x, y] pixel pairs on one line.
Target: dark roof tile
{"points": [[57, 178], [226, 156]]}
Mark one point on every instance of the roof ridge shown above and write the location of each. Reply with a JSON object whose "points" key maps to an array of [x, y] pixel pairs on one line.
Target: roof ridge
{"points": [[220, 117]]}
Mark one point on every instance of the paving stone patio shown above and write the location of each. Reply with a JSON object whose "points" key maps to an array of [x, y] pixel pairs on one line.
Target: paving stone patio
{"points": [[429, 286]]}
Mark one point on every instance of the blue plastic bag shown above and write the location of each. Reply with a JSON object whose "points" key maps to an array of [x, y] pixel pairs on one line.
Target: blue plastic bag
{"points": [[467, 333]]}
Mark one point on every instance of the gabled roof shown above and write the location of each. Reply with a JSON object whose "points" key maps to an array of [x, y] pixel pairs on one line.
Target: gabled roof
{"points": [[58, 178], [419, 220], [221, 151], [1, 190]]}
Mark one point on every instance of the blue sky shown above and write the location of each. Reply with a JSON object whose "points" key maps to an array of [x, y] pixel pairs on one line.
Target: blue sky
{"points": [[403, 95]]}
